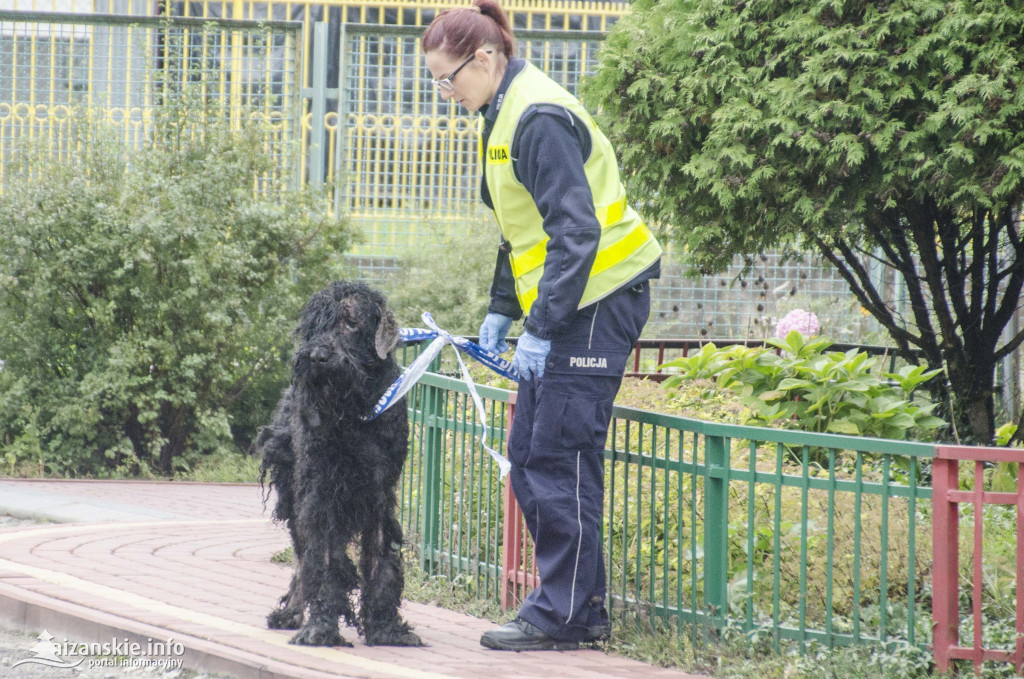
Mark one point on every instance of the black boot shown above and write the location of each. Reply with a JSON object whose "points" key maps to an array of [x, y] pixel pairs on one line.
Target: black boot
{"points": [[520, 635], [597, 633]]}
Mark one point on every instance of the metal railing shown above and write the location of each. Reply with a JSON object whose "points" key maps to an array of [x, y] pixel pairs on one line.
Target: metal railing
{"points": [[451, 498], [947, 499], [803, 537], [62, 76]]}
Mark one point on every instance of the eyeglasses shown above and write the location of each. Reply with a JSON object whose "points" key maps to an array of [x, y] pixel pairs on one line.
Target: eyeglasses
{"points": [[445, 84]]}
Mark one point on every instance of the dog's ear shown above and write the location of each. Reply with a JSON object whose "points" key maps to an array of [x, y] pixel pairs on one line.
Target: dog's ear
{"points": [[387, 334]]}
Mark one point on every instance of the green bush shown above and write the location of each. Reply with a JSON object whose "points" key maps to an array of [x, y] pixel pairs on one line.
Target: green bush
{"points": [[452, 281], [808, 388], [147, 299]]}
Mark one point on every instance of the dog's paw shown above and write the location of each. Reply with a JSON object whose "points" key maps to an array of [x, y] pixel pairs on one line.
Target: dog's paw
{"points": [[392, 637], [319, 635], [282, 618]]}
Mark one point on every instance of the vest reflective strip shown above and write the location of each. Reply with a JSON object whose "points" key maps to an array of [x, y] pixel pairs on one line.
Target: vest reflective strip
{"points": [[608, 215], [621, 249], [611, 214], [606, 258], [529, 260]]}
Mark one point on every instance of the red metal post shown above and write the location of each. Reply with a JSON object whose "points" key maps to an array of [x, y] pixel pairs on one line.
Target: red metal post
{"points": [[516, 579], [1018, 653], [946, 496], [979, 532], [945, 561], [512, 549], [511, 544]]}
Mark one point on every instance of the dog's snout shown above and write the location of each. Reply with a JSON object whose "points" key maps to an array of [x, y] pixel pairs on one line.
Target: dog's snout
{"points": [[320, 354]]}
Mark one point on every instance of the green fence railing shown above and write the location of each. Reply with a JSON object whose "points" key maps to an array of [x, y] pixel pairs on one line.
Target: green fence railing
{"points": [[451, 505], [803, 536]]}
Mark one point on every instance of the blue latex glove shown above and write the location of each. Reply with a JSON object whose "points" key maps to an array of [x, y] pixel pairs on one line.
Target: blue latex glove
{"points": [[531, 354], [493, 331]]}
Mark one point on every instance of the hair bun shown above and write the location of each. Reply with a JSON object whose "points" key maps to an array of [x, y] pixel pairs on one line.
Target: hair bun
{"points": [[460, 33]]}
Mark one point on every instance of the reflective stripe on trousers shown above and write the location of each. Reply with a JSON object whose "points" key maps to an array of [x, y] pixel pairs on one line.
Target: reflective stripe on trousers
{"points": [[557, 452]]}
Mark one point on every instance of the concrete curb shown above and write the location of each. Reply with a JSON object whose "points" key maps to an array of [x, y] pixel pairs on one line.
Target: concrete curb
{"points": [[47, 506], [29, 612]]}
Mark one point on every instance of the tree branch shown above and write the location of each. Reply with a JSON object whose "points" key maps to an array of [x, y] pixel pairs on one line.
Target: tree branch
{"points": [[983, 296], [952, 262], [1015, 283], [1009, 347], [870, 254], [921, 222], [859, 280], [894, 231], [901, 261], [1011, 231]]}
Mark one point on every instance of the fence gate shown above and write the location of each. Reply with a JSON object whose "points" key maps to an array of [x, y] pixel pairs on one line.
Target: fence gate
{"points": [[947, 498]]}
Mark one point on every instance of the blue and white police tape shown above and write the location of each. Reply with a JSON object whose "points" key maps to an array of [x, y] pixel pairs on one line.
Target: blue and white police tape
{"points": [[417, 368]]}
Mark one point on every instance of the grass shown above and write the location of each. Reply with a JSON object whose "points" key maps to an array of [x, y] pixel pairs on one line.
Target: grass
{"points": [[227, 467], [454, 594]]}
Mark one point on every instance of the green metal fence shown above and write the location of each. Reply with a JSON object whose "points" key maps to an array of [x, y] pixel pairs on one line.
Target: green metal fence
{"points": [[451, 496], [804, 537]]}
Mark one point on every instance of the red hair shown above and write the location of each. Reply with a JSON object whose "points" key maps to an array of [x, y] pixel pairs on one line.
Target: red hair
{"points": [[460, 31]]}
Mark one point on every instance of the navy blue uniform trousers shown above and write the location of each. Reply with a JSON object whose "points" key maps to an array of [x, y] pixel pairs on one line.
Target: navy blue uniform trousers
{"points": [[556, 448]]}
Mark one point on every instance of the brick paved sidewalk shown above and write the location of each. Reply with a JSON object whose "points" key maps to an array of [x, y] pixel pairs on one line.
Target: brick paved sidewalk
{"points": [[191, 562]]}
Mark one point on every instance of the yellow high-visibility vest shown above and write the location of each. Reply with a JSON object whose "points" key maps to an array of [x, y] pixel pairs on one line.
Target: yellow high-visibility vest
{"points": [[627, 247]]}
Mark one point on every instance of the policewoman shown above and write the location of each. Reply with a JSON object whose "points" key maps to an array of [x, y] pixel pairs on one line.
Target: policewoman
{"points": [[576, 260]]}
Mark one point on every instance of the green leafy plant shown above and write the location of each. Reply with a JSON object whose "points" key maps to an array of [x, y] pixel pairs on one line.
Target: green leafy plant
{"points": [[450, 278], [805, 386], [1003, 475], [147, 297]]}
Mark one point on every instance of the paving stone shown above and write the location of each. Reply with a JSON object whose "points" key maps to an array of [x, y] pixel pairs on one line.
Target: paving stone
{"points": [[191, 562]]}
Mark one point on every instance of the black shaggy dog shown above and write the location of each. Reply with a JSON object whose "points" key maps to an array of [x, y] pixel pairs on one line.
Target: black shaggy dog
{"points": [[335, 473]]}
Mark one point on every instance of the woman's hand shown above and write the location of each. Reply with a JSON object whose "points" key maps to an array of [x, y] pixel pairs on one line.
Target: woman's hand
{"points": [[493, 331], [531, 354]]}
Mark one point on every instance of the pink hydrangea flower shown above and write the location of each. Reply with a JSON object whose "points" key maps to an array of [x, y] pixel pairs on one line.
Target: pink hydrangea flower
{"points": [[797, 319]]}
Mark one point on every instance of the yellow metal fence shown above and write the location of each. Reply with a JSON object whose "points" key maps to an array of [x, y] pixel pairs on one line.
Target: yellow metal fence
{"points": [[403, 162], [400, 162], [60, 70], [523, 14]]}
